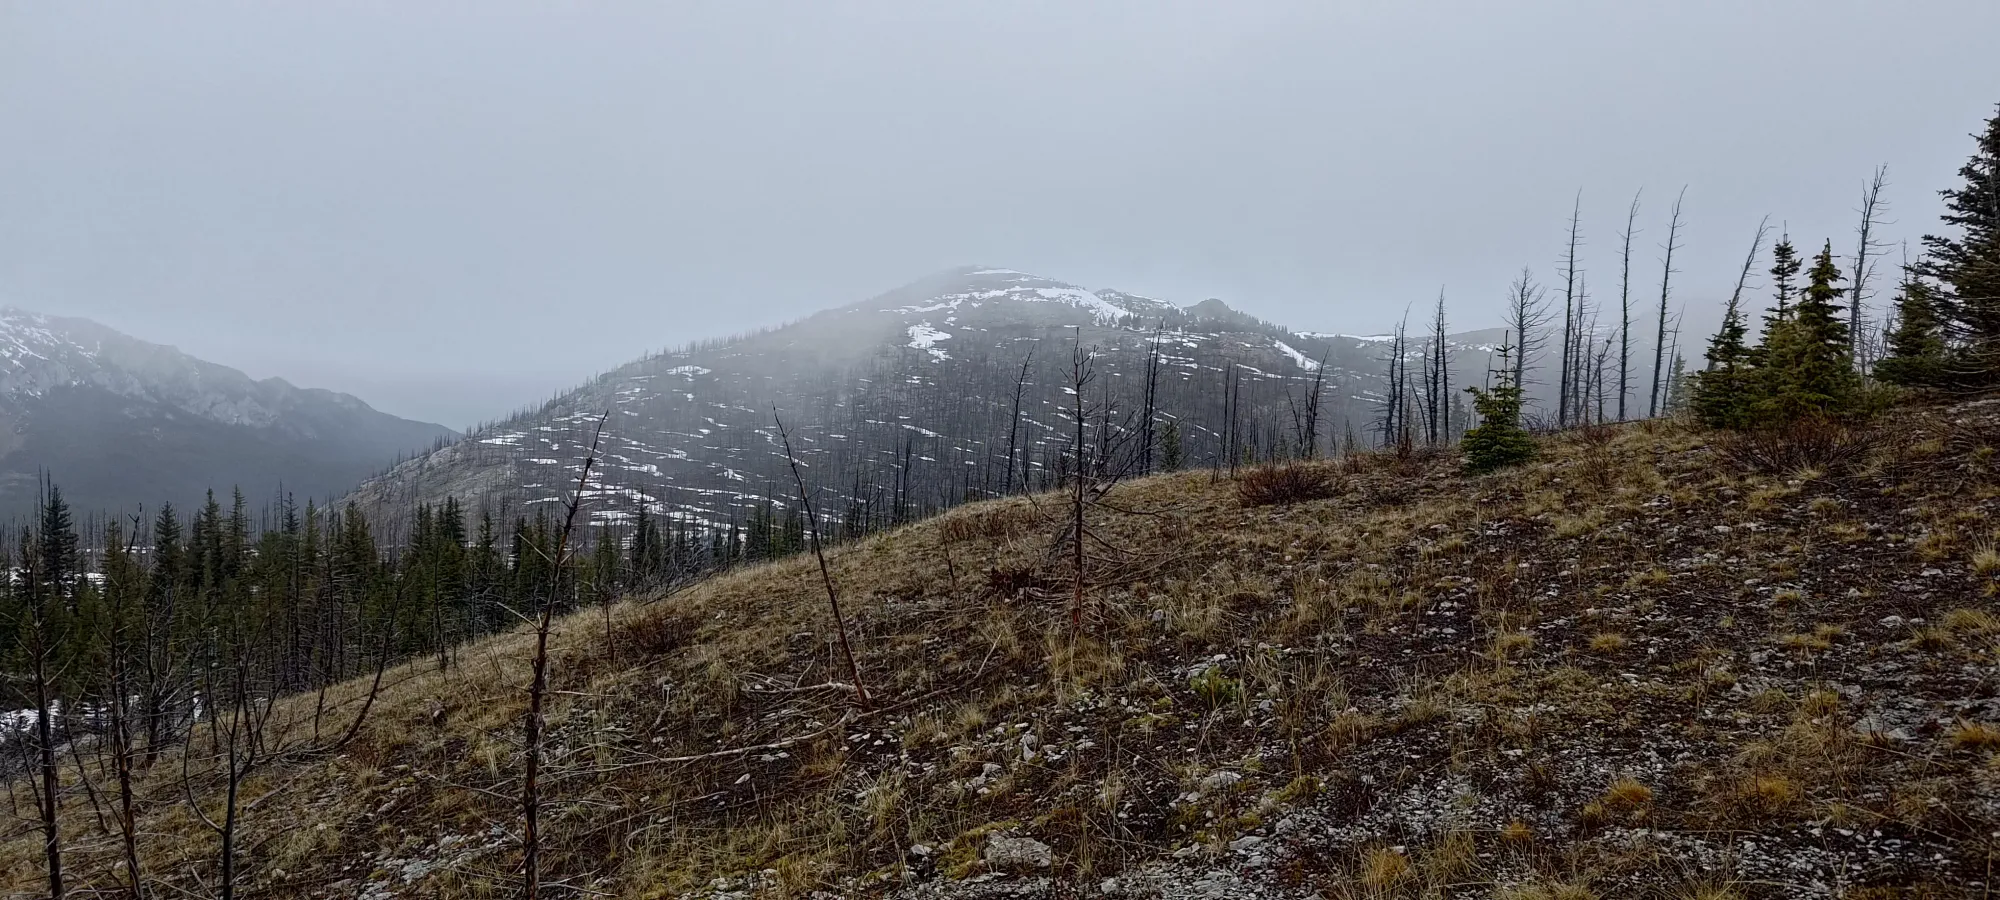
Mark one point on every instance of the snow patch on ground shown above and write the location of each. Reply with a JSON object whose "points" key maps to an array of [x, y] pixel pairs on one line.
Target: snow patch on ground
{"points": [[1104, 311], [1305, 362], [924, 337]]}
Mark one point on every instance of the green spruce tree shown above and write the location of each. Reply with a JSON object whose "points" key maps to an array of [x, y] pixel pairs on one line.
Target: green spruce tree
{"points": [[1170, 444], [1918, 354], [1724, 396], [1965, 268], [1807, 372], [1498, 440]]}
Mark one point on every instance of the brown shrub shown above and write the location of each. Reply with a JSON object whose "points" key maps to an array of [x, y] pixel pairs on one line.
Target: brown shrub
{"points": [[1285, 484], [1009, 582], [1827, 446], [1599, 465], [657, 634]]}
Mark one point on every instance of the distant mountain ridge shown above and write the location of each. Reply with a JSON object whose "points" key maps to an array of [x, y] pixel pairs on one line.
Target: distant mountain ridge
{"points": [[118, 421], [903, 404]]}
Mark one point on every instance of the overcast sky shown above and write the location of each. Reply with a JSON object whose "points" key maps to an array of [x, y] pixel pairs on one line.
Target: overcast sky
{"points": [[453, 210]]}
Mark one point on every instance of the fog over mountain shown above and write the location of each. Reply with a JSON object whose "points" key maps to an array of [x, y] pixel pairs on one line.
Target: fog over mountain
{"points": [[453, 215]]}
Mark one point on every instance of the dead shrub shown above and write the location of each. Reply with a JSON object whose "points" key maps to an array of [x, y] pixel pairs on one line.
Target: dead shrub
{"points": [[658, 634], [1599, 465], [1285, 484], [1807, 444], [1011, 582]]}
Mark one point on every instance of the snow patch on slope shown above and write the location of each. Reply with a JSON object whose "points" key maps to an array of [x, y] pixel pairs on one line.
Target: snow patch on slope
{"points": [[1305, 362], [1100, 309], [924, 337]]}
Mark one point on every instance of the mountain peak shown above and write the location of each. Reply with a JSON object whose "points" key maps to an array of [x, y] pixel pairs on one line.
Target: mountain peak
{"points": [[1213, 308], [913, 387]]}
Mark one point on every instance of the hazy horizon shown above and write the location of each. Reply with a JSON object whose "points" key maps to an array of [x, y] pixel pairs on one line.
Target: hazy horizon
{"points": [[454, 215]]}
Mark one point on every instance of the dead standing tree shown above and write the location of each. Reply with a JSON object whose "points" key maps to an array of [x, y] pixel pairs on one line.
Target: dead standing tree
{"points": [[1625, 310], [1014, 425], [1305, 421], [1572, 317], [1865, 247], [1528, 319], [1438, 379], [1151, 402], [1749, 260], [1666, 279]]}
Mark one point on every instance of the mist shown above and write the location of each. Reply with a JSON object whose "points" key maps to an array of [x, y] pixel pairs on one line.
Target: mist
{"points": [[453, 211]]}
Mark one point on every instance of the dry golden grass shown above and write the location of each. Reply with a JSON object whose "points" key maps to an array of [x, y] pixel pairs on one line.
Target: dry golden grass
{"points": [[1968, 622], [1383, 869], [1417, 625], [1977, 736], [1986, 559]]}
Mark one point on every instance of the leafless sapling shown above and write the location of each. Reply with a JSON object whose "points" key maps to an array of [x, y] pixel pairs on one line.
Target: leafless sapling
{"points": [[41, 647], [531, 799], [1082, 371], [825, 574]]}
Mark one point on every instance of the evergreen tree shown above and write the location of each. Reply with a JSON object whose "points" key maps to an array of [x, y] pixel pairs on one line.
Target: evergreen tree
{"points": [[1498, 440], [604, 565], [1724, 395], [644, 551], [59, 565], [1966, 268], [1807, 372], [1170, 446], [1917, 349], [1785, 266], [759, 541], [1678, 387]]}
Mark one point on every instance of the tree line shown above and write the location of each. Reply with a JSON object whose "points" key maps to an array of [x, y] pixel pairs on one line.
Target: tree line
{"points": [[1812, 359]]}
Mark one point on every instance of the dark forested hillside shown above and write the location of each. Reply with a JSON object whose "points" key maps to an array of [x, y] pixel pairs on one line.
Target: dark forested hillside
{"points": [[119, 421], [956, 386]]}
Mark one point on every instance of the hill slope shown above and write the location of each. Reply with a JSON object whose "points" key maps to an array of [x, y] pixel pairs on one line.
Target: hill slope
{"points": [[1634, 668], [903, 404], [119, 421]]}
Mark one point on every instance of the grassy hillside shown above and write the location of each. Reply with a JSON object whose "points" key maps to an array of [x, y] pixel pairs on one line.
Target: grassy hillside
{"points": [[1647, 665]]}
